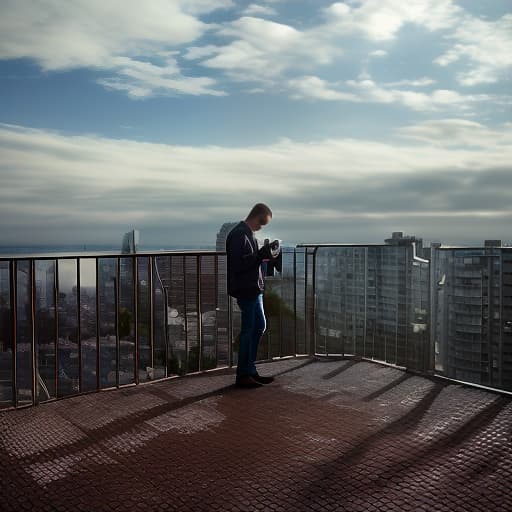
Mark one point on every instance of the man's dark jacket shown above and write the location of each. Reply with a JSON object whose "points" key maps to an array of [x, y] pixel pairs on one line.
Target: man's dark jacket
{"points": [[245, 279]]}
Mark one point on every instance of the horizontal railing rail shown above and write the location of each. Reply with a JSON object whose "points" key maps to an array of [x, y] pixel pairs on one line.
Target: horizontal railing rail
{"points": [[105, 254]]}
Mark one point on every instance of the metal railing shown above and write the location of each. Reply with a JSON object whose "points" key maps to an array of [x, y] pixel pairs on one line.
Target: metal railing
{"points": [[370, 301], [78, 324], [448, 315]]}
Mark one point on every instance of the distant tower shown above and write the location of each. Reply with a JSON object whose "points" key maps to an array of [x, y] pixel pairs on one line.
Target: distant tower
{"points": [[398, 239], [130, 242], [222, 235]]}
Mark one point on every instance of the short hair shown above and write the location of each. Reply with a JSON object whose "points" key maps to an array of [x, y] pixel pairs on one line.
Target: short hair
{"points": [[259, 210]]}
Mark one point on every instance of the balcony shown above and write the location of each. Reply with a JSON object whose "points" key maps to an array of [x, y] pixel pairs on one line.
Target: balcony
{"points": [[365, 420], [328, 434]]}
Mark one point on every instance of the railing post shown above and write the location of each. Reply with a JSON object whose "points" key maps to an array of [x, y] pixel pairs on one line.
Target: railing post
{"points": [[216, 281], [57, 330], [151, 313], [98, 364], [185, 312], [33, 331], [135, 269], [307, 342], [313, 309], [282, 304], [78, 328], [295, 300], [116, 320], [307, 319], [199, 315], [309, 299], [166, 324], [365, 326], [12, 293]]}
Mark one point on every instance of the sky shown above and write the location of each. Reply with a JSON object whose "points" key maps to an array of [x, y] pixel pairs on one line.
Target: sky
{"points": [[350, 120]]}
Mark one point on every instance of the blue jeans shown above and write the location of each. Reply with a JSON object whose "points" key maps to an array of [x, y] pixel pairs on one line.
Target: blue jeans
{"points": [[253, 327]]}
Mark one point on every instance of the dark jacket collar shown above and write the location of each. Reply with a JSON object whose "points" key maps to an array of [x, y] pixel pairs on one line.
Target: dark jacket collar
{"points": [[246, 228]]}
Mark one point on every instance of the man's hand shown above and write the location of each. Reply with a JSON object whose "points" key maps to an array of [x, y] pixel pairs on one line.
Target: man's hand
{"points": [[264, 253], [270, 251]]}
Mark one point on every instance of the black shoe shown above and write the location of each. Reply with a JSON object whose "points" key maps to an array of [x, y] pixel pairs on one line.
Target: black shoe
{"points": [[247, 382], [262, 380]]}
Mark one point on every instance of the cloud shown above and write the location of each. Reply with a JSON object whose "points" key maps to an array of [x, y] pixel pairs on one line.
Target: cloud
{"points": [[420, 82], [368, 91], [262, 50], [316, 88], [87, 188], [99, 35], [256, 9], [458, 132], [91, 32], [204, 6], [437, 100], [199, 52], [486, 45], [381, 20], [96, 34], [275, 54], [141, 79]]}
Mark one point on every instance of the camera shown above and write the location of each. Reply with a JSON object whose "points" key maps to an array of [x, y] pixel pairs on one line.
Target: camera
{"points": [[274, 249]]}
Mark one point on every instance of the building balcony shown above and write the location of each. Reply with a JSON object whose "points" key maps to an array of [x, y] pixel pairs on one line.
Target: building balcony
{"points": [[76, 324], [367, 422], [327, 434]]}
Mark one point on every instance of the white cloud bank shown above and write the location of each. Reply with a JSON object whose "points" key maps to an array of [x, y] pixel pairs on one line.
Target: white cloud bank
{"points": [[115, 35], [263, 50], [486, 45], [459, 132], [381, 20], [140, 43], [273, 53], [367, 91], [86, 188]]}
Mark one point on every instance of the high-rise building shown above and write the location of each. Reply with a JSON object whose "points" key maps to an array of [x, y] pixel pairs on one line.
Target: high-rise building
{"points": [[472, 313], [373, 301], [130, 243], [222, 235]]}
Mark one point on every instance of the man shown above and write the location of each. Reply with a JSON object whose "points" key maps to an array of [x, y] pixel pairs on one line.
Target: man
{"points": [[246, 284]]}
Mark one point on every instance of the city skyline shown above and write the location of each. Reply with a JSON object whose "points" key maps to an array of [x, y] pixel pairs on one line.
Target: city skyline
{"points": [[351, 120]]}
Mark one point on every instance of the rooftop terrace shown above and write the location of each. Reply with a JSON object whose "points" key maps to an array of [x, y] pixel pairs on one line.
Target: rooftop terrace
{"points": [[328, 434]]}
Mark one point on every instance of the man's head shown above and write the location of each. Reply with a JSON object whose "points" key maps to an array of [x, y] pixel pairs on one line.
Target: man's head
{"points": [[259, 216]]}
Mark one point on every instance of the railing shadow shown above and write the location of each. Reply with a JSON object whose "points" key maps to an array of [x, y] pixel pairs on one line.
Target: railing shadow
{"points": [[393, 384], [339, 473], [340, 370]]}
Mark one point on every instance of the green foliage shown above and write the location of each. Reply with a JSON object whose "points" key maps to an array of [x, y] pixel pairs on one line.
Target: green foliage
{"points": [[274, 305]]}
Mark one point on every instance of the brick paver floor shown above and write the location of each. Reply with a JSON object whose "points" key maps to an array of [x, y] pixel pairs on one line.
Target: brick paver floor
{"points": [[326, 435]]}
